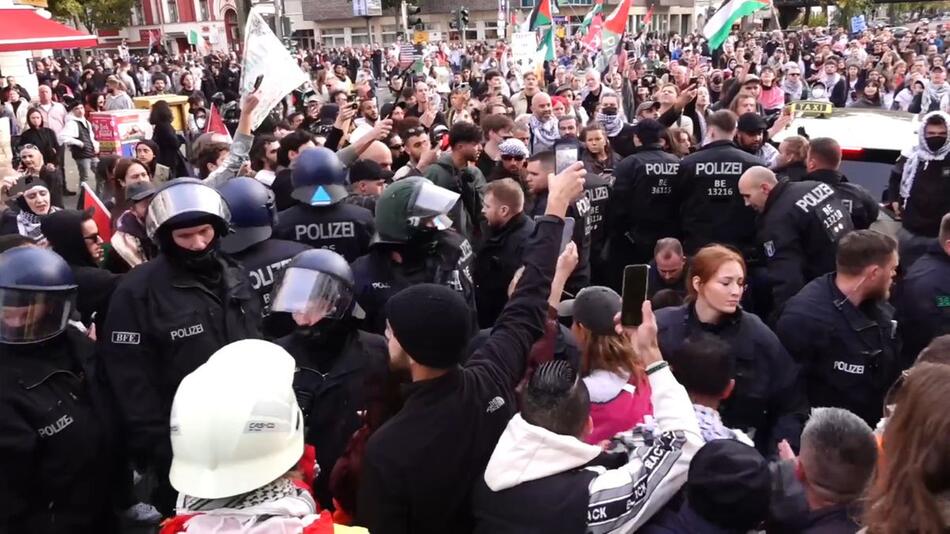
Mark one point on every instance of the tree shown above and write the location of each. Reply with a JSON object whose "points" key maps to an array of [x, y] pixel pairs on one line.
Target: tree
{"points": [[93, 14]]}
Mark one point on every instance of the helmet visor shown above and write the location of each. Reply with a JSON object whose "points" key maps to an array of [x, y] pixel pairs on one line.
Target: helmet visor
{"points": [[312, 294], [433, 203], [191, 198], [31, 316]]}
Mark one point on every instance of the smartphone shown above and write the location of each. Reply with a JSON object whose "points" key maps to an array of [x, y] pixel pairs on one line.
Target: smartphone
{"points": [[564, 156], [635, 279], [567, 234], [257, 82], [694, 80]]}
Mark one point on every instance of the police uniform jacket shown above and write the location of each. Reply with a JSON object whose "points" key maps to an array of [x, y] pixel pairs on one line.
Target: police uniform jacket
{"points": [[768, 401], [799, 231], [163, 324], [580, 211], [642, 208], [342, 227], [495, 266], [707, 192], [421, 466], [377, 276], [335, 381], [923, 302], [263, 262], [848, 354], [59, 468], [860, 204]]}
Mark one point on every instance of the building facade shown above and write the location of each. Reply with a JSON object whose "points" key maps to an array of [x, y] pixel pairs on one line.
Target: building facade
{"points": [[171, 21]]}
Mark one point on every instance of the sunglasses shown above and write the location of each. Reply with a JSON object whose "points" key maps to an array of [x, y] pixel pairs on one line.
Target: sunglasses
{"points": [[417, 130], [507, 157], [396, 147], [92, 238]]}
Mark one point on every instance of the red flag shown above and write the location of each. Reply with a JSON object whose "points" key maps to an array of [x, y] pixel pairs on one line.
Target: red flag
{"points": [[617, 21], [216, 123], [648, 17], [89, 201], [592, 38]]}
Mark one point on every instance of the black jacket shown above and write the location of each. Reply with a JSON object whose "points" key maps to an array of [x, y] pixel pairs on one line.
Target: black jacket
{"points": [[795, 172], [929, 198], [44, 139], [342, 227], [707, 193], [58, 457], [580, 211], [63, 230], [799, 231], [163, 324], [168, 144], [862, 206], [495, 265], [283, 187], [767, 402], [849, 355], [421, 466], [642, 209], [923, 302], [338, 374], [263, 262], [377, 276]]}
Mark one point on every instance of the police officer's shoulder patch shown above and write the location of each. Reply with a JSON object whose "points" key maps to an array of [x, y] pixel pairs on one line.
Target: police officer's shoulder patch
{"points": [[769, 247], [126, 338]]}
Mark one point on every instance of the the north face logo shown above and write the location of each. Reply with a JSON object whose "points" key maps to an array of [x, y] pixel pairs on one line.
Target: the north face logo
{"points": [[494, 404]]}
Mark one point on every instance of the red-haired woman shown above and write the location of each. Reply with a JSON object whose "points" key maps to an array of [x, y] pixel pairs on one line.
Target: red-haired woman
{"points": [[768, 402]]}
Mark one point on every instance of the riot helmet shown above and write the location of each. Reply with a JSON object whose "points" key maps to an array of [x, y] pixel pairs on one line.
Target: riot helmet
{"points": [[253, 213], [37, 295], [186, 202], [318, 177], [316, 284], [410, 208]]}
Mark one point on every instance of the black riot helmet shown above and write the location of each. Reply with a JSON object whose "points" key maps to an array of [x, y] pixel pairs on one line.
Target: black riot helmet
{"points": [[37, 295], [185, 202], [316, 284], [253, 213]]}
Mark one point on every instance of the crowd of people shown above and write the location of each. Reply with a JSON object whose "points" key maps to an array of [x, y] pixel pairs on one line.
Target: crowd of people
{"points": [[394, 305]]}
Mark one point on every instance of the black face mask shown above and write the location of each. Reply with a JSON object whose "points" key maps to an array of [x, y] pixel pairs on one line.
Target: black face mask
{"points": [[200, 262], [936, 143], [326, 332]]}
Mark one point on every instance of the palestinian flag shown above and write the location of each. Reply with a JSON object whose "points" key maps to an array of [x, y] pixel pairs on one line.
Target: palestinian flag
{"points": [[598, 9], [193, 37], [540, 15], [89, 201], [720, 24], [611, 35], [215, 123], [547, 51]]}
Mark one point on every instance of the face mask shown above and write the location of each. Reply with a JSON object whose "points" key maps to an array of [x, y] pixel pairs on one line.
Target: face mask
{"points": [[200, 122], [936, 143]]}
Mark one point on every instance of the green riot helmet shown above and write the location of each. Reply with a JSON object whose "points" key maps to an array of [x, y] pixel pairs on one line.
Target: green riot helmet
{"points": [[412, 207]]}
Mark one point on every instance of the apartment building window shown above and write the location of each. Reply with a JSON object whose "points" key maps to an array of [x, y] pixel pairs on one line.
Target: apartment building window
{"points": [[332, 37], [136, 18], [172, 11], [390, 33], [491, 30], [204, 10], [304, 38]]}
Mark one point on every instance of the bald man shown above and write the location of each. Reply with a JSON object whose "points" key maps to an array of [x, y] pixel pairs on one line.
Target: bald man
{"points": [[380, 153], [798, 228], [543, 124]]}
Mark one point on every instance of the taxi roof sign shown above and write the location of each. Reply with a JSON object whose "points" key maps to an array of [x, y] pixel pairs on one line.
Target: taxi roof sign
{"points": [[811, 108]]}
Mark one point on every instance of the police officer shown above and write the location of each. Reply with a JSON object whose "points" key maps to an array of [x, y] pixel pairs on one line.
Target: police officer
{"points": [[823, 162], [642, 208], [841, 328], [340, 369], [413, 244], [597, 196], [56, 436], [707, 191], [251, 204], [923, 299], [169, 315], [799, 226], [322, 219], [540, 167]]}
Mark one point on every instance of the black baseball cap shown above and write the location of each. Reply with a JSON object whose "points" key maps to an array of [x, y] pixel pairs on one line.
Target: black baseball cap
{"points": [[649, 131], [752, 123]]}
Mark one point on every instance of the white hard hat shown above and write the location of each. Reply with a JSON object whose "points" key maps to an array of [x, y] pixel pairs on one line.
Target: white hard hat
{"points": [[235, 423]]}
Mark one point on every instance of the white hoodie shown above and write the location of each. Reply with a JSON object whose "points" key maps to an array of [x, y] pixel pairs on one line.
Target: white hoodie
{"points": [[658, 459]]}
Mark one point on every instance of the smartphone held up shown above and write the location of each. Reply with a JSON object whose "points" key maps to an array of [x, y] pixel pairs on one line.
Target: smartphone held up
{"points": [[635, 286]]}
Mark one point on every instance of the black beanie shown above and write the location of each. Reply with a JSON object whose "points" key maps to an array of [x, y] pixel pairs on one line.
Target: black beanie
{"points": [[729, 484], [431, 322]]}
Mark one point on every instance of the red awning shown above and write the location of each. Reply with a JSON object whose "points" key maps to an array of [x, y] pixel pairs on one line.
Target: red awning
{"points": [[23, 29]]}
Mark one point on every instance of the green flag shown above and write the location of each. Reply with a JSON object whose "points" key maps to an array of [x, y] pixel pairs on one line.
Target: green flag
{"points": [[547, 47], [589, 17], [193, 37]]}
